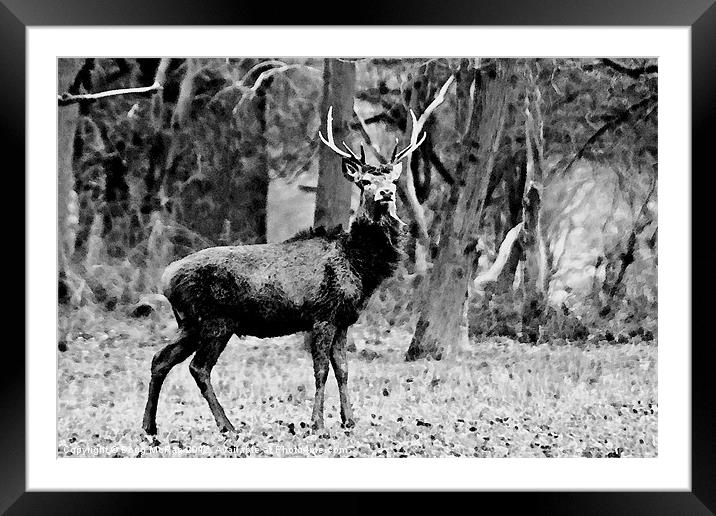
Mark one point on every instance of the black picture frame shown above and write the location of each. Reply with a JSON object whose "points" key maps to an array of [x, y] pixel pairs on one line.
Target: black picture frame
{"points": [[699, 15]]}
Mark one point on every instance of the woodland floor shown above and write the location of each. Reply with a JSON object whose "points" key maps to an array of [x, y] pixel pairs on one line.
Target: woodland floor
{"points": [[498, 399]]}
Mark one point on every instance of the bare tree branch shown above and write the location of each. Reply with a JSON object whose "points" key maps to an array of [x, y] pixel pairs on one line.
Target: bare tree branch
{"points": [[161, 74], [68, 98], [614, 122], [634, 73], [640, 226], [277, 67], [65, 99], [439, 166], [273, 71], [439, 99], [186, 93], [494, 272], [406, 182], [258, 66]]}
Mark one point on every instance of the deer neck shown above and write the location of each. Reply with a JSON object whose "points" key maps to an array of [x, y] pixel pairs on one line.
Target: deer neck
{"points": [[374, 248]]}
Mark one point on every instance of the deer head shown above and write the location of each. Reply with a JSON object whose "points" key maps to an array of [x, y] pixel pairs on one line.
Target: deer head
{"points": [[377, 183]]}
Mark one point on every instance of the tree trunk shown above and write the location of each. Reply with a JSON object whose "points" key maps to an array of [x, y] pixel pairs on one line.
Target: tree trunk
{"points": [[116, 232], [442, 305], [533, 289], [623, 255], [515, 186], [333, 196], [67, 124], [162, 150], [255, 173], [414, 185]]}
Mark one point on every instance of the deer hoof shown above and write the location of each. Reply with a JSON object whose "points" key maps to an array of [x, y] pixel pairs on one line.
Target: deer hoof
{"points": [[227, 428], [349, 423], [317, 425]]}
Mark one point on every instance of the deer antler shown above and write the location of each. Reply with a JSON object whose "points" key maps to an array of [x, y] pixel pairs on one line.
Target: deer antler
{"points": [[355, 156], [352, 156], [414, 142], [330, 142], [419, 123]]}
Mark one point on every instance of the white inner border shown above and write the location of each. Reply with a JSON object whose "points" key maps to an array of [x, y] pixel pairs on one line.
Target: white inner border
{"points": [[670, 471]]}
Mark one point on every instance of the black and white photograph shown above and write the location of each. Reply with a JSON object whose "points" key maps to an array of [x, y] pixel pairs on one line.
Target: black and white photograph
{"points": [[360, 257]]}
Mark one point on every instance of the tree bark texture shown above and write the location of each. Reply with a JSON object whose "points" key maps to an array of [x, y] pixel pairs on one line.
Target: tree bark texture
{"points": [[67, 117], [255, 166], [533, 289], [333, 196], [514, 178], [442, 304], [163, 149]]}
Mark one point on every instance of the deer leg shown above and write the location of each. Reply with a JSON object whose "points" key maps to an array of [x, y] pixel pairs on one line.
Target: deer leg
{"points": [[162, 363], [321, 342], [200, 368], [340, 370]]}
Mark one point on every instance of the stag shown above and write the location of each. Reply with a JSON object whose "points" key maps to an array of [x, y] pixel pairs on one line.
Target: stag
{"points": [[318, 281]]}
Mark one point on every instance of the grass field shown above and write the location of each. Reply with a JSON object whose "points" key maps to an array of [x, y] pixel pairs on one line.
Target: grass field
{"points": [[499, 399]]}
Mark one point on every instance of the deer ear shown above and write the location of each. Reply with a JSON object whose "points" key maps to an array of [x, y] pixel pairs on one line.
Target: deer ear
{"points": [[395, 173], [351, 170]]}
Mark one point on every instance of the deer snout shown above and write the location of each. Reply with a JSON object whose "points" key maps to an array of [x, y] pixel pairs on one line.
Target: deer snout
{"points": [[384, 194]]}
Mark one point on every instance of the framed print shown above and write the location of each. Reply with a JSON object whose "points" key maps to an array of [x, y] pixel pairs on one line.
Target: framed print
{"points": [[258, 251]]}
